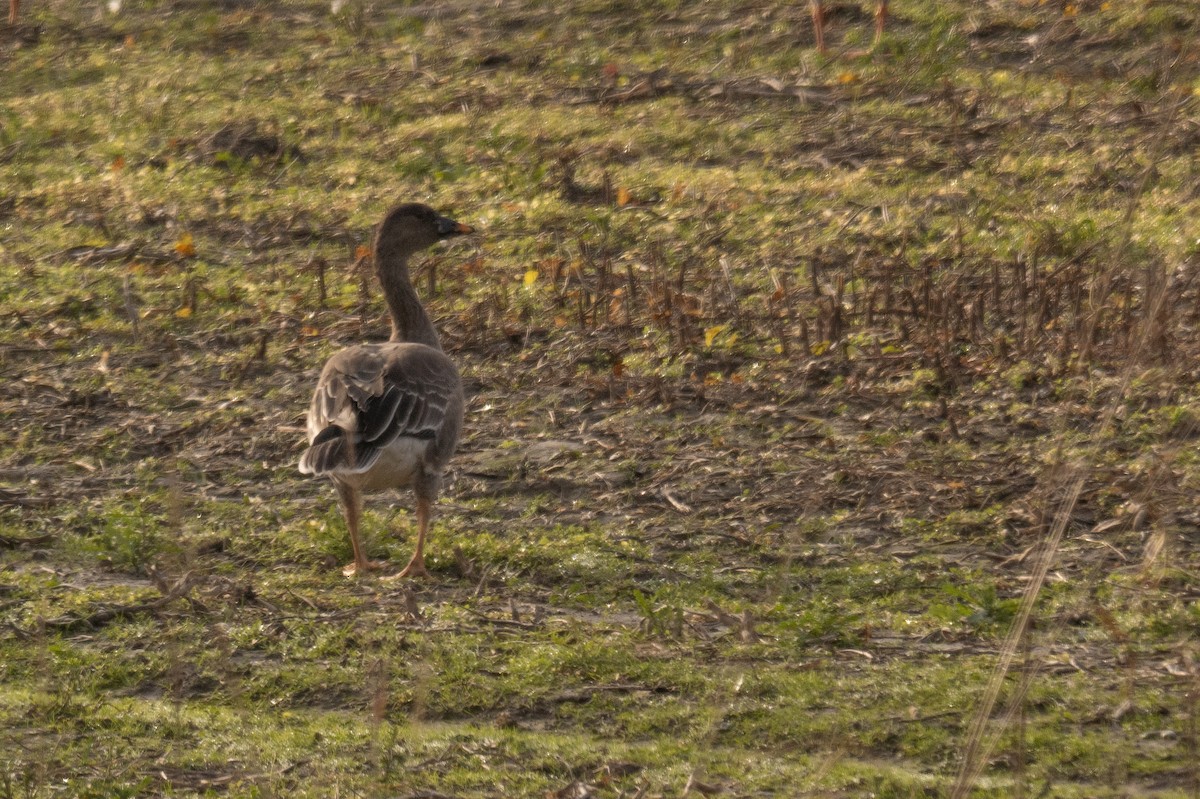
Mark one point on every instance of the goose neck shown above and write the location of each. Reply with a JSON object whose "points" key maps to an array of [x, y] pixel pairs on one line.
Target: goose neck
{"points": [[410, 322]]}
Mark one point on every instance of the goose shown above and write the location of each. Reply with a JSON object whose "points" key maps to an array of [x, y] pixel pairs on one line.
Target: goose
{"points": [[818, 17], [388, 415]]}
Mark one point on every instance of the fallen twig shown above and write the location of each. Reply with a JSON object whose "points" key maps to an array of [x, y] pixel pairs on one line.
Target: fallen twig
{"points": [[99, 618]]}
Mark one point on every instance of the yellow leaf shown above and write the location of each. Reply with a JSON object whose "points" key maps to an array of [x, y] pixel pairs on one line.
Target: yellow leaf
{"points": [[531, 277], [623, 197], [848, 77], [185, 246], [118, 163], [820, 348], [711, 333], [1070, 10], [184, 313]]}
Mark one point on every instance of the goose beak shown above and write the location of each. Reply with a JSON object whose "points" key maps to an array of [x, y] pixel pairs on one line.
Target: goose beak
{"points": [[448, 227]]}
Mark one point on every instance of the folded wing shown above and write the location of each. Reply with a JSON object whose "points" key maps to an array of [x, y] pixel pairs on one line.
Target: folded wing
{"points": [[368, 397]]}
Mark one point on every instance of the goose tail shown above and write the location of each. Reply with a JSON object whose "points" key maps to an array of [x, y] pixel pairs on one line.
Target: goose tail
{"points": [[334, 451]]}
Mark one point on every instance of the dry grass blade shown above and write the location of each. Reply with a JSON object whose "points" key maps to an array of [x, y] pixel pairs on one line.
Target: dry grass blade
{"points": [[179, 590], [978, 746]]}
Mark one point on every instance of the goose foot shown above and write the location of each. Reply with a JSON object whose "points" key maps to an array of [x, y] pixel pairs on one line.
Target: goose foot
{"points": [[354, 568], [415, 568]]}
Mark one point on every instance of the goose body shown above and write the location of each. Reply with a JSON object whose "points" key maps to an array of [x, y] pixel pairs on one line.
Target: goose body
{"points": [[384, 416], [388, 415]]}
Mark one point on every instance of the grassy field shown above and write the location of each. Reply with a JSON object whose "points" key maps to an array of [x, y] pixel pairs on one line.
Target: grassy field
{"points": [[833, 422]]}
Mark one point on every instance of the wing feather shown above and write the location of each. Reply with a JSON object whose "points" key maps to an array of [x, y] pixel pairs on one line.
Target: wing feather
{"points": [[379, 418], [369, 396]]}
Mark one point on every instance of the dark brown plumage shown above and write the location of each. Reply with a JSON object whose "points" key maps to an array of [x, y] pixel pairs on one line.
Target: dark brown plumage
{"points": [[388, 415]]}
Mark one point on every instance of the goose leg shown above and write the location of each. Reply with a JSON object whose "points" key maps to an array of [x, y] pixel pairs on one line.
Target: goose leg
{"points": [[416, 566], [881, 13], [13, 5], [351, 500], [818, 18]]}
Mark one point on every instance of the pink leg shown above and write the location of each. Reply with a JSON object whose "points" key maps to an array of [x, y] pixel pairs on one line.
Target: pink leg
{"points": [[818, 18], [351, 500], [881, 13], [416, 566]]}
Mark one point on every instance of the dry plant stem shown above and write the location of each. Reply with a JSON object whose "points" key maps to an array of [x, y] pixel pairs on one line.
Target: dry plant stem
{"points": [[1192, 702], [1019, 767], [181, 588], [975, 754], [1101, 288], [977, 751]]}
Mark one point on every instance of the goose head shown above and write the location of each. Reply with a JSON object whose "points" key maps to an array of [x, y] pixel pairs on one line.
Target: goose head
{"points": [[411, 227]]}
